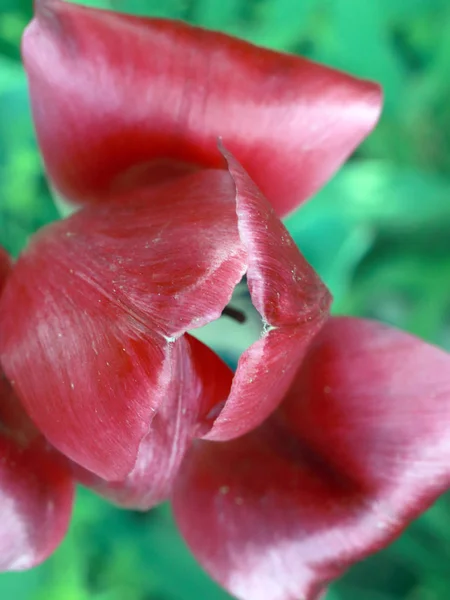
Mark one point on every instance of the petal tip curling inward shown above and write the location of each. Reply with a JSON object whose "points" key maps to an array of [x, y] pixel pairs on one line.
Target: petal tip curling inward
{"points": [[289, 295], [108, 115]]}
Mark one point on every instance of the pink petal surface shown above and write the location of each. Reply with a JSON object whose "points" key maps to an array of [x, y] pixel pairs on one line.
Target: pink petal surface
{"points": [[92, 313], [119, 100], [36, 488], [359, 447], [292, 301]]}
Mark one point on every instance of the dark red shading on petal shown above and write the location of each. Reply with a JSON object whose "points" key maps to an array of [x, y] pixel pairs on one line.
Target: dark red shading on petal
{"points": [[118, 100], [293, 303], [5, 267], [14, 421], [91, 314], [162, 450], [360, 447]]}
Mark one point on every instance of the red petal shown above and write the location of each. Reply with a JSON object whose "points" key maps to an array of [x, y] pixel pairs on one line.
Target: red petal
{"points": [[5, 267], [162, 450], [292, 301], [36, 490], [36, 497], [92, 310], [360, 447], [14, 421], [116, 98]]}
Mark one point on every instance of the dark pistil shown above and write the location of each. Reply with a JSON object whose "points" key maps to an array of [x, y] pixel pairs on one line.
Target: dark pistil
{"points": [[234, 314]]}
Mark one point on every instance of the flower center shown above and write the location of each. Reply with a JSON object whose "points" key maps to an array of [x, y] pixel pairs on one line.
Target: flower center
{"points": [[234, 313], [238, 328]]}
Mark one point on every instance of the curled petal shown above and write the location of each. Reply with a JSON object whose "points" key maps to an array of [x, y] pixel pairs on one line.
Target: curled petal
{"points": [[359, 448], [292, 301], [119, 100], [93, 309]]}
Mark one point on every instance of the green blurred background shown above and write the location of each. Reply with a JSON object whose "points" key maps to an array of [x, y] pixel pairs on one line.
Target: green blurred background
{"points": [[378, 234]]}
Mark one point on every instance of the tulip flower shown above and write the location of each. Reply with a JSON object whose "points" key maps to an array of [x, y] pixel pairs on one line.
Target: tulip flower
{"points": [[99, 346], [182, 149]]}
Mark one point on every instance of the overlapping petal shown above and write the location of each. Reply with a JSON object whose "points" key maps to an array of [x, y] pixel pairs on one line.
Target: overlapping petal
{"points": [[119, 100], [96, 349], [293, 304], [93, 313], [359, 447], [164, 447], [36, 488]]}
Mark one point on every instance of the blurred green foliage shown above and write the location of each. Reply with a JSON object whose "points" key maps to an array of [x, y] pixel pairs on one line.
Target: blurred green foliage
{"points": [[378, 234]]}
